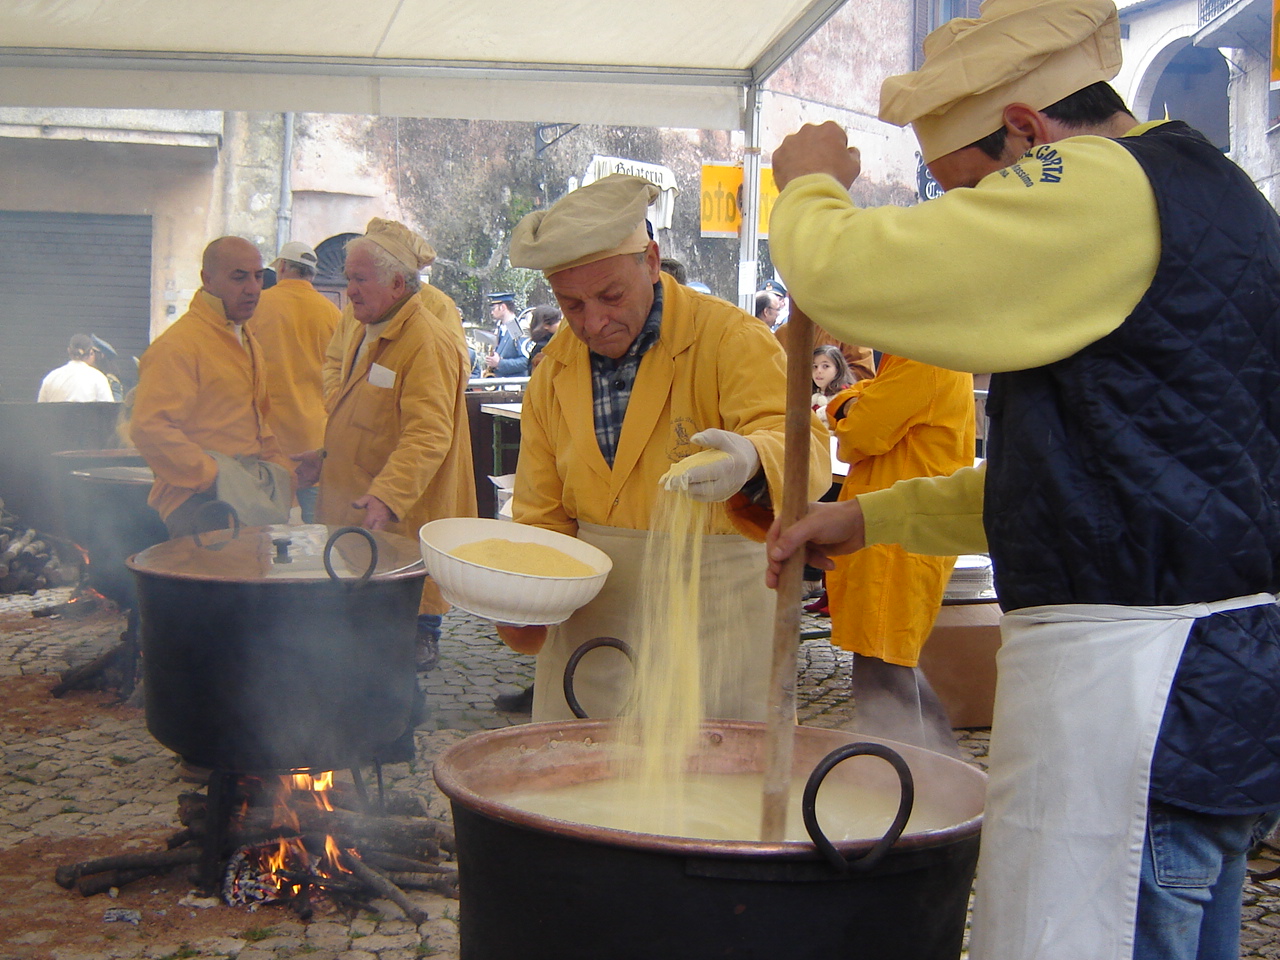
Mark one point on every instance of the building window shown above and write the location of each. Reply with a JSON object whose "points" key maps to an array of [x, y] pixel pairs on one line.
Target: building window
{"points": [[931, 14]]}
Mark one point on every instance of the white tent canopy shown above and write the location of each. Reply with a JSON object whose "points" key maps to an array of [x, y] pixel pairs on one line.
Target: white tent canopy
{"points": [[682, 63]]}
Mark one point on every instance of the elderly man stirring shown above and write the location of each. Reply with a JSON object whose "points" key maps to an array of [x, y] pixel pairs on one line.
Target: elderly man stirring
{"points": [[1122, 281], [199, 414], [654, 373], [397, 449]]}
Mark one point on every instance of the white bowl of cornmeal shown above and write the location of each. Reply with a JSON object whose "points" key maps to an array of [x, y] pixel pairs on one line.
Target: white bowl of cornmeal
{"points": [[512, 572]]}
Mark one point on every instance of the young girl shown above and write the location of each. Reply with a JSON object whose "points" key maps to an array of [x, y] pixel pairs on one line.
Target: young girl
{"points": [[830, 375]]}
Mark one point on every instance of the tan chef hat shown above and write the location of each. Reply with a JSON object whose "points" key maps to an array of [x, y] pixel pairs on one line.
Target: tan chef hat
{"points": [[401, 242], [1017, 51], [602, 219]]}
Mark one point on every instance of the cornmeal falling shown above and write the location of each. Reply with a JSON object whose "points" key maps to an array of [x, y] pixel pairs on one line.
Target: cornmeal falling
{"points": [[520, 557]]}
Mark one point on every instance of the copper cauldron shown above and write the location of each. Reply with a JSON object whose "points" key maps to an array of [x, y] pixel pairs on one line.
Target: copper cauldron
{"points": [[536, 887]]}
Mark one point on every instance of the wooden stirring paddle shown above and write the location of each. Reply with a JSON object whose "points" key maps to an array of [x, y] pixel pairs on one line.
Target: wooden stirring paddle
{"points": [[781, 717]]}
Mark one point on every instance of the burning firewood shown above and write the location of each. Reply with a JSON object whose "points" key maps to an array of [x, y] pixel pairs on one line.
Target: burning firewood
{"points": [[289, 854]]}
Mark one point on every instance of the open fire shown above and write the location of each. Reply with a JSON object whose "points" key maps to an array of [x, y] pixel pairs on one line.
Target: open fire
{"points": [[291, 840], [287, 869]]}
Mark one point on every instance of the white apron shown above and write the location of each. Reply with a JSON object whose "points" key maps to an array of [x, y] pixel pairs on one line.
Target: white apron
{"points": [[1080, 696], [603, 677]]}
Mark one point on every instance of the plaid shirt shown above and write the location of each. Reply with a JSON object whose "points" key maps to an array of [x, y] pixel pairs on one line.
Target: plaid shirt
{"points": [[611, 380]]}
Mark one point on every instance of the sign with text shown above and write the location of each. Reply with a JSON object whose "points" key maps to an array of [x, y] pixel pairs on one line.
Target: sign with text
{"points": [[722, 199]]}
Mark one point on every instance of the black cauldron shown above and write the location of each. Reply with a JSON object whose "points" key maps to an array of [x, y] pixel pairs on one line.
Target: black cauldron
{"points": [[281, 647], [537, 888]]}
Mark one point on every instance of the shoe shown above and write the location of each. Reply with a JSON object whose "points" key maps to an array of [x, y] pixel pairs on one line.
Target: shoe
{"points": [[190, 773], [811, 589], [521, 702], [819, 606], [428, 652]]}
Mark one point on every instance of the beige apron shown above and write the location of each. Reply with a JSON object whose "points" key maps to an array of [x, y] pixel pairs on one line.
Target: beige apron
{"points": [[733, 568], [1079, 701]]}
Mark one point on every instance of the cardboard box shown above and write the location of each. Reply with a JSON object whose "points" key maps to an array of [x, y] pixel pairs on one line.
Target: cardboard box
{"points": [[959, 659]]}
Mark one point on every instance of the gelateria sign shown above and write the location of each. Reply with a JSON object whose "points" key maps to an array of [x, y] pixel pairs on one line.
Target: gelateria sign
{"points": [[662, 177], [722, 199]]}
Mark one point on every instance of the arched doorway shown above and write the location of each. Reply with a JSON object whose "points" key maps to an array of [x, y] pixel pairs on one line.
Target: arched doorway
{"points": [[332, 257], [1190, 83]]}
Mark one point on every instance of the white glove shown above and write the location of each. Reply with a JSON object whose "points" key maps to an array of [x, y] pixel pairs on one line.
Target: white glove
{"points": [[717, 474]]}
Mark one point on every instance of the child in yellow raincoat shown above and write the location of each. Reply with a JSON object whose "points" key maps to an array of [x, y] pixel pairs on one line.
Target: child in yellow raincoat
{"points": [[910, 420]]}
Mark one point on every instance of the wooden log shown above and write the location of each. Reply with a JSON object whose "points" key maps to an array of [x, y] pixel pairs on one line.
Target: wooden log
{"points": [[398, 864], [13, 549], [102, 882], [385, 888], [66, 875], [446, 886]]}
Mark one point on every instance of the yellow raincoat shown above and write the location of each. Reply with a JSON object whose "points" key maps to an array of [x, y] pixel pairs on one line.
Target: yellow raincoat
{"points": [[199, 389], [712, 366], [407, 443], [294, 324], [434, 299], [910, 420]]}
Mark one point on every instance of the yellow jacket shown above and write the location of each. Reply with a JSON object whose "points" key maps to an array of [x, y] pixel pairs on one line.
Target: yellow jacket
{"points": [[712, 366], [294, 324], [917, 281], [433, 298], [910, 420], [408, 443], [199, 389]]}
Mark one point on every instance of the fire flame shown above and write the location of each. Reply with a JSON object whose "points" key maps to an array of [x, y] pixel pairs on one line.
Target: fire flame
{"points": [[271, 871]]}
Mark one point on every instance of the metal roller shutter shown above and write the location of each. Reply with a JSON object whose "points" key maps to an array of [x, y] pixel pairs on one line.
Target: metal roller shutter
{"points": [[68, 273]]}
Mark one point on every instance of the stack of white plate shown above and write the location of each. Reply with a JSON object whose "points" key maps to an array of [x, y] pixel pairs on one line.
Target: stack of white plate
{"points": [[970, 579]]}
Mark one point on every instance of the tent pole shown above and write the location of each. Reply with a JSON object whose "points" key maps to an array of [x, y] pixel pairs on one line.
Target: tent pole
{"points": [[748, 238]]}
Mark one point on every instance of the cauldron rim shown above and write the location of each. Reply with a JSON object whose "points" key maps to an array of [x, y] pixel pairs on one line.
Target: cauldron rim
{"points": [[414, 572], [451, 784]]}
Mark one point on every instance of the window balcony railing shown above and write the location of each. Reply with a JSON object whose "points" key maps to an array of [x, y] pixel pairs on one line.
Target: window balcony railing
{"points": [[1211, 8]]}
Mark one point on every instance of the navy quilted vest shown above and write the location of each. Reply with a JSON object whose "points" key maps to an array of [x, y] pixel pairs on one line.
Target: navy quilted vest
{"points": [[1144, 470]]}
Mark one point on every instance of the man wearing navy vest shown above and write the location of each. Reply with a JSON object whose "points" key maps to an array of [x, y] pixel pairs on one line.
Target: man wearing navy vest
{"points": [[1122, 281]]}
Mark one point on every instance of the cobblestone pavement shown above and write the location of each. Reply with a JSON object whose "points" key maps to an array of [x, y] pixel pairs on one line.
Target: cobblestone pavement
{"points": [[105, 777]]}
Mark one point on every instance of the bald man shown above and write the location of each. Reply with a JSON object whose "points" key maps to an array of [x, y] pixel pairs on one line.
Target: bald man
{"points": [[199, 416]]}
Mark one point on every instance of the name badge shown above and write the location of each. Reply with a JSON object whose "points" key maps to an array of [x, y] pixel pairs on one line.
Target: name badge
{"points": [[380, 376]]}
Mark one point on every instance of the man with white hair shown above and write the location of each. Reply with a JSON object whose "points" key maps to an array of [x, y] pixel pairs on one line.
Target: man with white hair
{"points": [[294, 323], [655, 373], [397, 448], [1123, 280], [199, 413]]}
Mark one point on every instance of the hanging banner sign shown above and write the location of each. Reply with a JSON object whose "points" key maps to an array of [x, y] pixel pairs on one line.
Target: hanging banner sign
{"points": [[1275, 44], [722, 199]]}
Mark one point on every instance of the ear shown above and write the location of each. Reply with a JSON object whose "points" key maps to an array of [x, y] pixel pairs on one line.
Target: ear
{"points": [[653, 261], [1025, 127]]}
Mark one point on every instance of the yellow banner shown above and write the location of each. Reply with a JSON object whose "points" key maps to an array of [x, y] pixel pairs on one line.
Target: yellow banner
{"points": [[722, 199], [1275, 44]]}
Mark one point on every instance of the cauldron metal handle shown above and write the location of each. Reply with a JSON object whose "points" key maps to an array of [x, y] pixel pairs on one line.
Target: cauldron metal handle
{"points": [[373, 552], [231, 514], [868, 860], [571, 668]]}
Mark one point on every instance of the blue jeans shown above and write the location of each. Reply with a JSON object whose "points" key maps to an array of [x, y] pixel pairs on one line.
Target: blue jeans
{"points": [[429, 625], [307, 499], [1193, 871]]}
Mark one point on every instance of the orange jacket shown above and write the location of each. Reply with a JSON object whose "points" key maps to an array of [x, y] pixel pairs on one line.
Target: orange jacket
{"points": [[293, 324], [910, 420], [199, 389]]}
